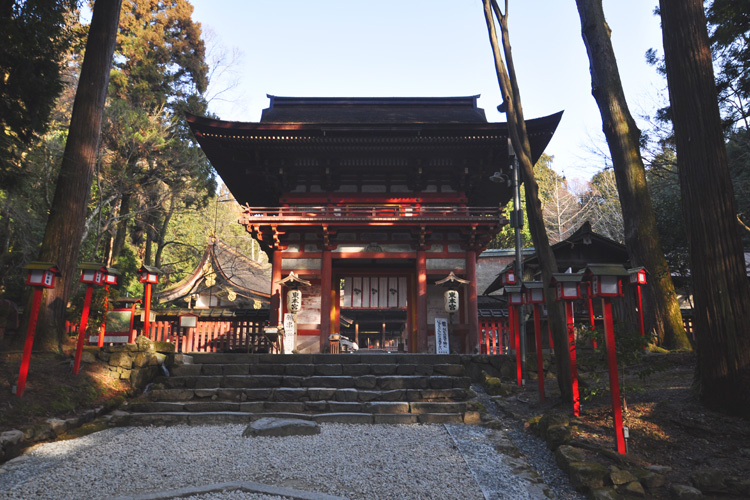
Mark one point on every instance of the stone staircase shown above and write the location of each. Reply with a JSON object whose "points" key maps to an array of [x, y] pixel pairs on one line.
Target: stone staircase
{"points": [[212, 388]]}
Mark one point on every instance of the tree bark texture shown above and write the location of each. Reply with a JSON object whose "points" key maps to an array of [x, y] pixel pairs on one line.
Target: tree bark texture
{"points": [[519, 137], [722, 293], [623, 138], [62, 236]]}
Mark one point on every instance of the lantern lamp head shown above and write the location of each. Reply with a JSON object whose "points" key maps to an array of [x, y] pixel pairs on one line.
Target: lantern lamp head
{"points": [[637, 275], [534, 292], [149, 274], [606, 279], [515, 295], [508, 276], [111, 276], [92, 273], [42, 274], [566, 286]]}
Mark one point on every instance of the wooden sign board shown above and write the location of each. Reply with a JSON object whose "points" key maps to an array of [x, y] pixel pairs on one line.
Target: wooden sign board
{"points": [[441, 336], [116, 327]]}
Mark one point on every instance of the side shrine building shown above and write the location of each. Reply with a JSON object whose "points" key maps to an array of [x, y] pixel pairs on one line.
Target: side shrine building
{"points": [[371, 200]]}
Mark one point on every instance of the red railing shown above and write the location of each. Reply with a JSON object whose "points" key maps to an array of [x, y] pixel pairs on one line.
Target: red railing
{"points": [[207, 336], [379, 213]]}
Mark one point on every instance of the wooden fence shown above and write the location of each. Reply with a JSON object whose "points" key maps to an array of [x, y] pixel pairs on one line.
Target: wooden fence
{"points": [[207, 336], [214, 336]]}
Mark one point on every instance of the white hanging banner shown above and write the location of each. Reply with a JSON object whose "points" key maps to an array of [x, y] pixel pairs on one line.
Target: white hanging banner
{"points": [[290, 330], [441, 336]]}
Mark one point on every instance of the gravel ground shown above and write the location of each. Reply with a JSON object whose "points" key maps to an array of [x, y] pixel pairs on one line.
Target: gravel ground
{"points": [[351, 461], [354, 461]]}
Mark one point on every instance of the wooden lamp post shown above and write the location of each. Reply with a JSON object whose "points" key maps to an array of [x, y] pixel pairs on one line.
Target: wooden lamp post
{"points": [[606, 282], [515, 301], [508, 277], [451, 297], [41, 275], [92, 273], [567, 290], [294, 305], [534, 295], [637, 278], [148, 275]]}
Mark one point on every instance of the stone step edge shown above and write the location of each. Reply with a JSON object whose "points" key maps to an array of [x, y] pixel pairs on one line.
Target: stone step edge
{"points": [[307, 408], [319, 369], [378, 382], [360, 357], [453, 394], [123, 419]]}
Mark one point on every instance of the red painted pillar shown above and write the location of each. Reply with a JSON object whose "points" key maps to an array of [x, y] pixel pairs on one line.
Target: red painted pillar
{"points": [[325, 298], [132, 319], [103, 327], [539, 357], [30, 331], [82, 329], [592, 319], [517, 328], [573, 363], [472, 312], [640, 310], [146, 314], [275, 313], [421, 301], [551, 342], [511, 329], [614, 382]]}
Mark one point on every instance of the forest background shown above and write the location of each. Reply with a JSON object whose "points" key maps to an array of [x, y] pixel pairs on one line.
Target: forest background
{"points": [[155, 198]]}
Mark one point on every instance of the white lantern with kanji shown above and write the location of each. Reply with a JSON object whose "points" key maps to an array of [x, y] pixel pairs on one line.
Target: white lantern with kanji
{"points": [[294, 300], [450, 298]]}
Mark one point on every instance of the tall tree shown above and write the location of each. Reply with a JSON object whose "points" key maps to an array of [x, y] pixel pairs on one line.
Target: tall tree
{"points": [[506, 75], [152, 163], [34, 37], [623, 138], [722, 292], [62, 237]]}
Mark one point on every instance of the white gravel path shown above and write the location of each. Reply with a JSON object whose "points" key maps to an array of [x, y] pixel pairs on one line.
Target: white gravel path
{"points": [[352, 461]]}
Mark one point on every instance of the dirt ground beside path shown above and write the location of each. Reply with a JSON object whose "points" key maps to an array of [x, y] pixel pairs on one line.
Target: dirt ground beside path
{"points": [[668, 425], [52, 391]]}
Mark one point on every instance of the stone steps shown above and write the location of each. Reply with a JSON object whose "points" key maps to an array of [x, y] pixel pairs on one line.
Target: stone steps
{"points": [[122, 418], [307, 394], [376, 382], [355, 388]]}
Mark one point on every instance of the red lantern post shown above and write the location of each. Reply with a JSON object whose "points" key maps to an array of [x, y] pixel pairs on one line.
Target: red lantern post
{"points": [[515, 300], [149, 275], [91, 274], [605, 284], [638, 278], [567, 290], [535, 295], [41, 275]]}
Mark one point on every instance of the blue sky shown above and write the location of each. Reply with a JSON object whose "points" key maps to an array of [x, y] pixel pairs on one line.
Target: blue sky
{"points": [[432, 48]]}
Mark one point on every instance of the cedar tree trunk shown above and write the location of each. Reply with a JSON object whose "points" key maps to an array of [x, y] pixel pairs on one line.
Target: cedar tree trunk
{"points": [[517, 129], [65, 225], [722, 293], [623, 138]]}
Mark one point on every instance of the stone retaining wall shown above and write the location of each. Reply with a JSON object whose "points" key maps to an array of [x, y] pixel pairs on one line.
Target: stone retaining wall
{"points": [[139, 363]]}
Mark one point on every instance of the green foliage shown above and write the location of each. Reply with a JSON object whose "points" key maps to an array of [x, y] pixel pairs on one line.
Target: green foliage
{"points": [[35, 36], [729, 23], [630, 348]]}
